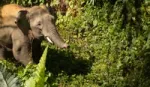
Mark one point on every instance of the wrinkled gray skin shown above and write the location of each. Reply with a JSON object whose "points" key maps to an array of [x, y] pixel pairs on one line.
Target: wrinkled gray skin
{"points": [[22, 34]]}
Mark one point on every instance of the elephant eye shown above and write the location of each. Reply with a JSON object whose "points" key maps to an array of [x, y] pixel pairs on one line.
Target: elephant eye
{"points": [[39, 23]]}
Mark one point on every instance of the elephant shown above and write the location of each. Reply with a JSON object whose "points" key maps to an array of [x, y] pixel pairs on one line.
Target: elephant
{"points": [[22, 30]]}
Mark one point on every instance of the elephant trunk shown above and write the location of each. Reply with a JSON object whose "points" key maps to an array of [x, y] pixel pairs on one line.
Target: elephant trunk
{"points": [[52, 36]]}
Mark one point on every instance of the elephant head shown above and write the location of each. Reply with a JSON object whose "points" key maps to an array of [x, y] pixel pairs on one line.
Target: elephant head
{"points": [[40, 22]]}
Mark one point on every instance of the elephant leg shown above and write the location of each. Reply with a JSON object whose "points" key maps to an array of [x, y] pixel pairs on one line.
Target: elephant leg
{"points": [[22, 53], [36, 50], [21, 47]]}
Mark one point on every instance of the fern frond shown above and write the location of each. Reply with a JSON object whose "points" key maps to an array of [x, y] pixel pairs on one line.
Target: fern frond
{"points": [[38, 77]]}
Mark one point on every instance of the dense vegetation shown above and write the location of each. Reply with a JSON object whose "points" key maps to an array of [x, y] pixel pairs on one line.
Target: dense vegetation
{"points": [[109, 45]]}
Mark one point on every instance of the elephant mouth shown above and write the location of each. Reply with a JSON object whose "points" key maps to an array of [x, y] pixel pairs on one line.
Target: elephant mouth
{"points": [[49, 40]]}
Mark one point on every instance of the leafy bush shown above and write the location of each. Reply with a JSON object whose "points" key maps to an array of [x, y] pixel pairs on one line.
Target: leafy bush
{"points": [[109, 45], [7, 76], [38, 77], [112, 36]]}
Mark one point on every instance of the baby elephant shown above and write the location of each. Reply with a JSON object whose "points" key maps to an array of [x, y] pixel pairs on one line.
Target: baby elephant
{"points": [[22, 30]]}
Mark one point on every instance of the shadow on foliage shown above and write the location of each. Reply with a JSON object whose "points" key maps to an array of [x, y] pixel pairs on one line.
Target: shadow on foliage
{"points": [[64, 61], [146, 63], [139, 75]]}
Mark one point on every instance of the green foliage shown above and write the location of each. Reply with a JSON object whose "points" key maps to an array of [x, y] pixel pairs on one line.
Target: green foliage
{"points": [[31, 76], [37, 79], [7, 77], [112, 36], [24, 2], [109, 46]]}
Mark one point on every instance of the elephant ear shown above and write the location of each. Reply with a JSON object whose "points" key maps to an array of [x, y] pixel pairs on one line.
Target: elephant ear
{"points": [[21, 15], [22, 21]]}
